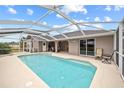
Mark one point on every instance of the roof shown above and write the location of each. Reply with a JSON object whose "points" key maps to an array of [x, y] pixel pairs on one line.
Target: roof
{"points": [[35, 38], [45, 36], [78, 34], [20, 30], [38, 38]]}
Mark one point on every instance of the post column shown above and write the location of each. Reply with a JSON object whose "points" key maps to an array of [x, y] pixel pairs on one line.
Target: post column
{"points": [[120, 47], [23, 45], [56, 46]]}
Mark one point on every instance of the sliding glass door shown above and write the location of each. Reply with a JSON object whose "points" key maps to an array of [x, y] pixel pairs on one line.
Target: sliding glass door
{"points": [[90, 47], [83, 47], [87, 47]]}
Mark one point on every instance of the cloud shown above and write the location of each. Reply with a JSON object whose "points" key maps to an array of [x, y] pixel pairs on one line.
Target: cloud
{"points": [[74, 8], [115, 8], [59, 16], [87, 18], [12, 10], [118, 7], [69, 28], [18, 19], [108, 8], [107, 19], [57, 26], [45, 23], [30, 12], [78, 21], [96, 19], [98, 25]]}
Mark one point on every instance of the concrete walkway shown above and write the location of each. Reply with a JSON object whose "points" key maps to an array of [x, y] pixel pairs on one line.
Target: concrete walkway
{"points": [[13, 73]]}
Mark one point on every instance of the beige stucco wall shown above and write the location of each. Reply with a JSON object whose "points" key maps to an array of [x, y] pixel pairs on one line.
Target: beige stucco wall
{"points": [[74, 47], [47, 46], [106, 42], [27, 47], [44, 46], [35, 45]]}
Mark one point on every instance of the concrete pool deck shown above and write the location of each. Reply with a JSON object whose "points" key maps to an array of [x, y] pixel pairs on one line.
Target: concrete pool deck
{"points": [[15, 74]]}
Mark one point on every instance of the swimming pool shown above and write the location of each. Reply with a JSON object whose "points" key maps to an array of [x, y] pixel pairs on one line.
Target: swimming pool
{"points": [[59, 72]]}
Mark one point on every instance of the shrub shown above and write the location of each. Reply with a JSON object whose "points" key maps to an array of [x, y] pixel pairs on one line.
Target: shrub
{"points": [[4, 48]]}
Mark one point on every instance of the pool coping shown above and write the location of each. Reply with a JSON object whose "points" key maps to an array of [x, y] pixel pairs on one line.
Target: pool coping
{"points": [[58, 57], [98, 69], [42, 81], [103, 77]]}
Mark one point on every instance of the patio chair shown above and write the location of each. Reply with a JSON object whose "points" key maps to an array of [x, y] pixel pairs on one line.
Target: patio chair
{"points": [[99, 52], [108, 58]]}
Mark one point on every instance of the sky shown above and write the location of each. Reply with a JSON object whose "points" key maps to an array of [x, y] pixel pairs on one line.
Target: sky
{"points": [[79, 13]]}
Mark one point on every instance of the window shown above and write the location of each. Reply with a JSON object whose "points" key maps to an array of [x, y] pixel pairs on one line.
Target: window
{"points": [[87, 47]]}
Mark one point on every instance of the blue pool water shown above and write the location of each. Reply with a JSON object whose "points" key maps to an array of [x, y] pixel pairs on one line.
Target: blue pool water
{"points": [[60, 73]]}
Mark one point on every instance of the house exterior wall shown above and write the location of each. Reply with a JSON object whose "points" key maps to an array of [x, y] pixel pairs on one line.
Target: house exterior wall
{"points": [[28, 45], [44, 46], [35, 46], [74, 46], [40, 46], [105, 42], [47, 46]]}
